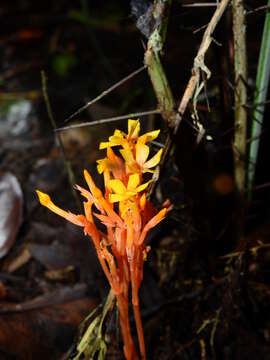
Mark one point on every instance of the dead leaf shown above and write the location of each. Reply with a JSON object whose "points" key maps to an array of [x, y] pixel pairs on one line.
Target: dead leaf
{"points": [[42, 334], [65, 274], [59, 296], [22, 258]]}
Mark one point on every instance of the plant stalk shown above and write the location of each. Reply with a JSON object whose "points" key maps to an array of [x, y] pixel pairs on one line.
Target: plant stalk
{"points": [[262, 82], [152, 61], [240, 94]]}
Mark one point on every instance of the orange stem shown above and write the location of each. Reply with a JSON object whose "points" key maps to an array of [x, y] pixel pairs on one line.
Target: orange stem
{"points": [[136, 311], [129, 347], [139, 327]]}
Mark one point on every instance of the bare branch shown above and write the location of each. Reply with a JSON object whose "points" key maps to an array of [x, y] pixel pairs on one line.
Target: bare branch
{"points": [[194, 86], [108, 120]]}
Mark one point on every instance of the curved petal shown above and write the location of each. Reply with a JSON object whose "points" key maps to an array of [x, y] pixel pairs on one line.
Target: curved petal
{"points": [[150, 136], [102, 164], [92, 186], [117, 186], [143, 186], [133, 128], [154, 160], [101, 203], [127, 156], [133, 182], [143, 201], [104, 145], [118, 133], [117, 166], [85, 193], [88, 211], [46, 201], [114, 140], [142, 153], [153, 222], [106, 220]]}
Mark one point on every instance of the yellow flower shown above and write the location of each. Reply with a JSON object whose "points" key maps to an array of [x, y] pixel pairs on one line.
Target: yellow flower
{"points": [[112, 164], [149, 136], [127, 141], [134, 128], [140, 162], [121, 192], [118, 138]]}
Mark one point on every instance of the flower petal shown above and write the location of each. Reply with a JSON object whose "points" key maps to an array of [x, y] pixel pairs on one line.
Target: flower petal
{"points": [[106, 220], [117, 186], [88, 211], [143, 186], [92, 186], [142, 153], [85, 193], [46, 201], [150, 136], [153, 222], [133, 128], [133, 182], [127, 156], [104, 145], [143, 201], [154, 160], [116, 140], [79, 220], [118, 133], [117, 166], [102, 164]]}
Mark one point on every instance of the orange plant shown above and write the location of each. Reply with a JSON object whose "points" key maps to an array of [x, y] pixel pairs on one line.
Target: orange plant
{"points": [[127, 215]]}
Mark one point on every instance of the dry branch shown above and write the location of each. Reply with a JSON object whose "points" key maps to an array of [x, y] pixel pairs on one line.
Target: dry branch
{"points": [[195, 85]]}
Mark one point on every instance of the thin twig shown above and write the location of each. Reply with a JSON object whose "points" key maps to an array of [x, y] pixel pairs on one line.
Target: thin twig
{"points": [[262, 186], [201, 4], [71, 176], [108, 120], [199, 29], [194, 85], [106, 92], [260, 8]]}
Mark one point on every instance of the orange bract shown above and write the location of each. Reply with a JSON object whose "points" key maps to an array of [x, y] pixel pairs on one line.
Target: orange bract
{"points": [[121, 250]]}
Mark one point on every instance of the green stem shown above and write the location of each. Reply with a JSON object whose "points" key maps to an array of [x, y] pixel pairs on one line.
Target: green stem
{"points": [[154, 65], [262, 82]]}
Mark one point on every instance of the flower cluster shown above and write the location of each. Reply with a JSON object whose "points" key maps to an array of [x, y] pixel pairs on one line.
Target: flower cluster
{"points": [[127, 215]]}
